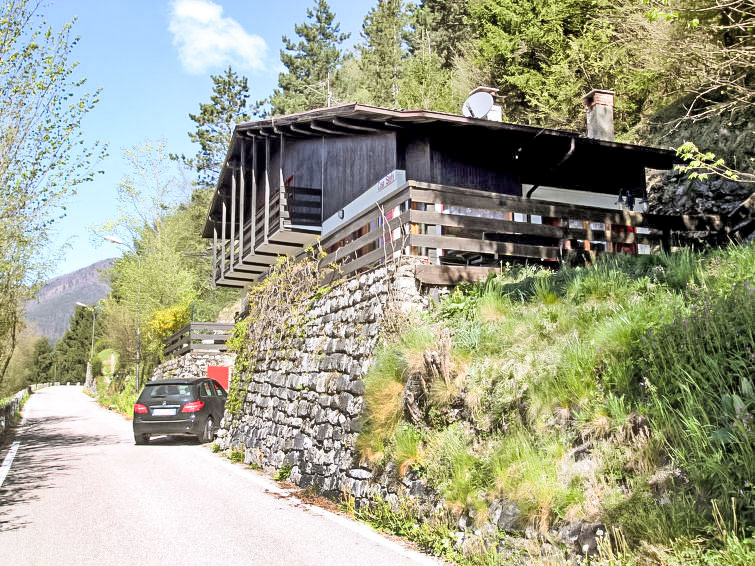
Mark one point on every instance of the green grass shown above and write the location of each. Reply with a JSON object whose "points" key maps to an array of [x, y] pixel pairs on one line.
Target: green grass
{"points": [[649, 361]]}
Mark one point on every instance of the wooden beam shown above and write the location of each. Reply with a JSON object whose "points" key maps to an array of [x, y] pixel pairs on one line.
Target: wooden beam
{"points": [[451, 274], [324, 130], [472, 198], [222, 240], [281, 183], [242, 190], [344, 251], [214, 252], [254, 196], [234, 185], [515, 228], [484, 246], [352, 126], [267, 188], [308, 133]]}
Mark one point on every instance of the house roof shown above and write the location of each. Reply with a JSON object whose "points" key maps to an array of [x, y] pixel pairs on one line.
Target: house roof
{"points": [[539, 145]]}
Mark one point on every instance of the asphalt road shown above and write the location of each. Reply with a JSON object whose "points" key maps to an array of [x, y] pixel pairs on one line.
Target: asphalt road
{"points": [[80, 492]]}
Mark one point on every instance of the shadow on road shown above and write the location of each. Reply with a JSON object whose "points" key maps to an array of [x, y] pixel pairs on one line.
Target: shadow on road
{"points": [[45, 453]]}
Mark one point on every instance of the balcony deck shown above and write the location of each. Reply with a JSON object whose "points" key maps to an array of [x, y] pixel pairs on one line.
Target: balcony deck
{"points": [[453, 226]]}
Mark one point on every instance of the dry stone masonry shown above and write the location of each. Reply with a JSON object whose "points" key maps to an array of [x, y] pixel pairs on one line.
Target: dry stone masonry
{"points": [[303, 393], [193, 364]]}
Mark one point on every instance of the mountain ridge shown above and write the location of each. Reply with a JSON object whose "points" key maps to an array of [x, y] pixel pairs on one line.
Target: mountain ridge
{"points": [[50, 312]]}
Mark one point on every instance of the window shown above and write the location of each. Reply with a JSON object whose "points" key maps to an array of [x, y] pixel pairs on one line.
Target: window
{"points": [[218, 390], [205, 390]]}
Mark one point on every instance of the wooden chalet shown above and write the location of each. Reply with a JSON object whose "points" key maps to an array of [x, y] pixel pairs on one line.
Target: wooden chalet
{"points": [[372, 183]]}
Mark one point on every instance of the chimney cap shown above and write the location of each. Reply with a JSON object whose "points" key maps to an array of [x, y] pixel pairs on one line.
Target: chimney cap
{"points": [[489, 89], [598, 96]]}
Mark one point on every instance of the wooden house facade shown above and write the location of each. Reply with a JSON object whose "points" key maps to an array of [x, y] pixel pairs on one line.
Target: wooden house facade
{"points": [[371, 183]]}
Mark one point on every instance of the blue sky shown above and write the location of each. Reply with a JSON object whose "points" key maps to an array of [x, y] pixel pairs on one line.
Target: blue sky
{"points": [[153, 62]]}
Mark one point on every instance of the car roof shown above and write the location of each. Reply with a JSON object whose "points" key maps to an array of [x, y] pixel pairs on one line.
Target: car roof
{"points": [[183, 381]]}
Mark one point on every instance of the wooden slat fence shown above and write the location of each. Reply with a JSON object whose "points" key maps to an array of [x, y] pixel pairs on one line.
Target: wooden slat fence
{"points": [[456, 226], [198, 336]]}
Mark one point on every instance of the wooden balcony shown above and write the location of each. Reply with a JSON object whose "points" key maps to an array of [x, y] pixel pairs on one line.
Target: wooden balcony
{"points": [[289, 223], [198, 337], [453, 226]]}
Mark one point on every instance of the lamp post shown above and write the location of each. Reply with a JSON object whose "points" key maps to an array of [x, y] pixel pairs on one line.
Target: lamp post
{"points": [[88, 381], [119, 242]]}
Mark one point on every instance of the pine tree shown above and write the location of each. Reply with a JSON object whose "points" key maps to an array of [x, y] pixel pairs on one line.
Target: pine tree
{"points": [[447, 23], [72, 350], [41, 366], [383, 50], [215, 123], [312, 63]]}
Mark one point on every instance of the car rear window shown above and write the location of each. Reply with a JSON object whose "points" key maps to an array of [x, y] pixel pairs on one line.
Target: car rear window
{"points": [[168, 392]]}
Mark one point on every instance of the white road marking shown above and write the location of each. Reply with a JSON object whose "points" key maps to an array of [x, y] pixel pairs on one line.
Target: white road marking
{"points": [[5, 467]]}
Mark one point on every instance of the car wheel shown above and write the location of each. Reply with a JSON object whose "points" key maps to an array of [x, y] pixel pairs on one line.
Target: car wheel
{"points": [[208, 434], [141, 438]]}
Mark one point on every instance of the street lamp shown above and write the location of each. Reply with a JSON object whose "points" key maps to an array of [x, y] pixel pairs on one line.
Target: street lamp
{"points": [[119, 242], [88, 382]]}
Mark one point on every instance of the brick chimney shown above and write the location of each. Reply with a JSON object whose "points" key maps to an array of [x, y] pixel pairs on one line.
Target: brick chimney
{"points": [[599, 106]]}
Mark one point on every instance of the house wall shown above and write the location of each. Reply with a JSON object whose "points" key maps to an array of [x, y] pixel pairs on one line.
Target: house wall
{"points": [[352, 164], [459, 160], [302, 162]]}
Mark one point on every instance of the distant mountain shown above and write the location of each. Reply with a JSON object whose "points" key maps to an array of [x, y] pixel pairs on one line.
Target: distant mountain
{"points": [[51, 311]]}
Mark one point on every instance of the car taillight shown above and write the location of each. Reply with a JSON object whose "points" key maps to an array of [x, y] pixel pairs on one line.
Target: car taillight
{"points": [[139, 408], [192, 407]]}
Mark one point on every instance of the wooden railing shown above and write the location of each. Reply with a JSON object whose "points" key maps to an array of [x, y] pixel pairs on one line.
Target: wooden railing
{"points": [[198, 336], [457, 226]]}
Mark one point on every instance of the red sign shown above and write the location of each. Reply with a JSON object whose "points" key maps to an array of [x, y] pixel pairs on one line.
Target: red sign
{"points": [[219, 374]]}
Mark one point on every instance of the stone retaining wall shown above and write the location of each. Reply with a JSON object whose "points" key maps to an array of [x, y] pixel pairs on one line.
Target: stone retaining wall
{"points": [[303, 395], [193, 364]]}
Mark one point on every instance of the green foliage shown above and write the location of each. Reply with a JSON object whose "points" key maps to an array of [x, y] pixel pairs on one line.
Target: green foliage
{"points": [[406, 448], [699, 165], [215, 123], [312, 63], [454, 470], [73, 349], [284, 472], [236, 455], [641, 365], [42, 361], [447, 25], [43, 156], [383, 384], [382, 51], [698, 370], [119, 394], [164, 280], [432, 535]]}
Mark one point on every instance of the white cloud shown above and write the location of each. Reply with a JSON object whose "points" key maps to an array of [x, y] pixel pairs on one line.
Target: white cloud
{"points": [[206, 40]]}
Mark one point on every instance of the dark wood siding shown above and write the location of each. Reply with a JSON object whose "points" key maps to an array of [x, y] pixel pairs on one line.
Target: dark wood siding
{"points": [[352, 165], [462, 162], [414, 158], [302, 163]]}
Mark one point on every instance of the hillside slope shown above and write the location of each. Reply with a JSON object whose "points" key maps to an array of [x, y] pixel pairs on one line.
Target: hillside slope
{"points": [[608, 409], [53, 307]]}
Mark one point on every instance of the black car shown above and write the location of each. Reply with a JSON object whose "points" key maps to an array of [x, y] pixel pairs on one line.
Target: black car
{"points": [[191, 407]]}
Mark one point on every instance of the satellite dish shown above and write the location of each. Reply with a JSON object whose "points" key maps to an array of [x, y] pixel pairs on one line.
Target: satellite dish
{"points": [[477, 105]]}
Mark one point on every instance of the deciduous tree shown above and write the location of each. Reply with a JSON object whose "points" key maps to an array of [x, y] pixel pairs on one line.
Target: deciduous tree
{"points": [[43, 155]]}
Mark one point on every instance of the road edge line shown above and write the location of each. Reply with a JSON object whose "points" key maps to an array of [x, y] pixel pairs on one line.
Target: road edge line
{"points": [[5, 466]]}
